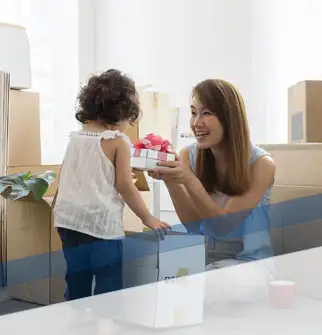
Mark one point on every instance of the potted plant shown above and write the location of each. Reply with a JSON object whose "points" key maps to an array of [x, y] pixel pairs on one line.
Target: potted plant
{"points": [[25, 185]]}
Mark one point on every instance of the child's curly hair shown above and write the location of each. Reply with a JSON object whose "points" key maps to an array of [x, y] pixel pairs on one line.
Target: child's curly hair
{"points": [[110, 97]]}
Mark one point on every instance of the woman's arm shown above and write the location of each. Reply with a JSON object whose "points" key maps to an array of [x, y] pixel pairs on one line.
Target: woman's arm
{"points": [[182, 203], [205, 207], [224, 220], [262, 176]]}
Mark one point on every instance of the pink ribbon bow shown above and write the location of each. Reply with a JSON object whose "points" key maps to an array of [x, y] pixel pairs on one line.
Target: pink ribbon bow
{"points": [[154, 142]]}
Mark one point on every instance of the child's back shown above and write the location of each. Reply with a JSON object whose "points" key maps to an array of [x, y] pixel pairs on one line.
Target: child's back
{"points": [[88, 201]]}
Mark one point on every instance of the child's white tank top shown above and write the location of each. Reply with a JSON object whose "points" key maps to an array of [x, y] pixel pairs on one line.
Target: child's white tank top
{"points": [[87, 200]]}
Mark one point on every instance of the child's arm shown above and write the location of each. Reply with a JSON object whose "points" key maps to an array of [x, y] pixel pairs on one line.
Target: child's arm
{"points": [[126, 187]]}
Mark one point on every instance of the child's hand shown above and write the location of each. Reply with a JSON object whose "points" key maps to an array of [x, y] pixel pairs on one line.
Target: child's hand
{"points": [[158, 226]]}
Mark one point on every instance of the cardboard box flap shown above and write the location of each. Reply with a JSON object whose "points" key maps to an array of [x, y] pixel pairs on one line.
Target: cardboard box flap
{"points": [[140, 181], [49, 200]]}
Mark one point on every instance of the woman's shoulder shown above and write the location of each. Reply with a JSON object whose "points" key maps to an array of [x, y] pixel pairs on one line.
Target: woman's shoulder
{"points": [[258, 152], [263, 165], [191, 148], [189, 152]]}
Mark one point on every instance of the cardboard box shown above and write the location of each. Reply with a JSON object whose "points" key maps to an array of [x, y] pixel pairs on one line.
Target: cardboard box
{"points": [[31, 244], [155, 107], [167, 277], [305, 112], [24, 146], [35, 266], [296, 214], [145, 159], [300, 237], [157, 114], [297, 164], [131, 221]]}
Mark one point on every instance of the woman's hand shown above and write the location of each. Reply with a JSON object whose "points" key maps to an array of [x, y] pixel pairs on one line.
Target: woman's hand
{"points": [[172, 171]]}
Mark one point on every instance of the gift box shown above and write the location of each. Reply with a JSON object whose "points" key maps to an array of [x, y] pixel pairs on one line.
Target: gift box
{"points": [[145, 159], [149, 150]]}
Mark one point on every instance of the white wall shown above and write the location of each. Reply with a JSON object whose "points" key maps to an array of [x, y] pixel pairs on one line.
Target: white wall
{"points": [[262, 46], [266, 87], [174, 44], [87, 46]]}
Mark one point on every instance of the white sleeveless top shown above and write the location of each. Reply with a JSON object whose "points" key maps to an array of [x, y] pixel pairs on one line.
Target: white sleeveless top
{"points": [[87, 200]]}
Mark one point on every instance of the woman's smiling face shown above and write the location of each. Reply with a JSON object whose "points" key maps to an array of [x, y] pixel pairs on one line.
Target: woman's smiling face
{"points": [[205, 125]]}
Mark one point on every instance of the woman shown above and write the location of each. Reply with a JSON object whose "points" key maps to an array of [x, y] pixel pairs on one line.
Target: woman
{"points": [[220, 187]]}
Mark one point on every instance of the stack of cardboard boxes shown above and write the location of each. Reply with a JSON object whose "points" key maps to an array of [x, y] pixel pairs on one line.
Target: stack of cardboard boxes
{"points": [[297, 191], [26, 237]]}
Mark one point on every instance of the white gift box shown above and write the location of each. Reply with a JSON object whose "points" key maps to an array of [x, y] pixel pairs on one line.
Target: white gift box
{"points": [[146, 159], [163, 281]]}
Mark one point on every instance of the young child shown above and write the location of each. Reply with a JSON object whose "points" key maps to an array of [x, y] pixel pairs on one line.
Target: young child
{"points": [[94, 184]]}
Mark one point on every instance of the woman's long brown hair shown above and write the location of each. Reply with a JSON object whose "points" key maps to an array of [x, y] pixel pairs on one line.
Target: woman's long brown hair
{"points": [[224, 101]]}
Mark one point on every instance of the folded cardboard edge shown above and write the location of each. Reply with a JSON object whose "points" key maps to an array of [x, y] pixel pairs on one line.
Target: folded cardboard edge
{"points": [[291, 146], [30, 198], [141, 182]]}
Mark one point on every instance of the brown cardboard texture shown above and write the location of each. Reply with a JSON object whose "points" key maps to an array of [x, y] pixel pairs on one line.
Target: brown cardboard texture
{"points": [[300, 241], [131, 221], [297, 190], [24, 147], [304, 112], [297, 164], [31, 240]]}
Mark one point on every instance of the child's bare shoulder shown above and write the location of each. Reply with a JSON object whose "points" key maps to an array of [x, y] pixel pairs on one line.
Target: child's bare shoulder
{"points": [[115, 143]]}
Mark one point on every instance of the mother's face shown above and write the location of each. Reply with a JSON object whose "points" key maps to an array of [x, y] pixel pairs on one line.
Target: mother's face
{"points": [[205, 126]]}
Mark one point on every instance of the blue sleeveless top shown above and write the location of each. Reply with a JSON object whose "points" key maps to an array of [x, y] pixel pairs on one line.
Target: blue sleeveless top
{"points": [[251, 239]]}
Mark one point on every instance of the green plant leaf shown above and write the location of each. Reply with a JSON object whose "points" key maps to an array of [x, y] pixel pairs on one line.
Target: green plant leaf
{"points": [[49, 176], [27, 175], [22, 184], [37, 186], [11, 180], [19, 191]]}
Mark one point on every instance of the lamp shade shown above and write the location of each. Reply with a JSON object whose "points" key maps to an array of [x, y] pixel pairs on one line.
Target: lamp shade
{"points": [[15, 55]]}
